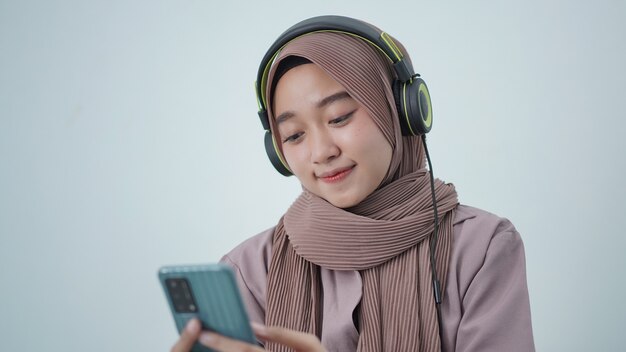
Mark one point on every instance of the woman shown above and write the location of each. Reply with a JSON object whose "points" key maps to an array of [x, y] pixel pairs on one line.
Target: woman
{"points": [[349, 264]]}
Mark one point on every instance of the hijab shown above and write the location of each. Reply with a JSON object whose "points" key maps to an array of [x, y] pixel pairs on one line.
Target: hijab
{"points": [[386, 237]]}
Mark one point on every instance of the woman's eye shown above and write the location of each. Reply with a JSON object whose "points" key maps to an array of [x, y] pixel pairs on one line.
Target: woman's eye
{"points": [[293, 138], [342, 119]]}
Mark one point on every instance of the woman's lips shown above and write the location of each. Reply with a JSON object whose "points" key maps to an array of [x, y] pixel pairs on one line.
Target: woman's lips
{"points": [[336, 175]]}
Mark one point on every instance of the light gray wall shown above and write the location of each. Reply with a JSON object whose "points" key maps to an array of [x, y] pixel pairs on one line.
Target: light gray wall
{"points": [[129, 140]]}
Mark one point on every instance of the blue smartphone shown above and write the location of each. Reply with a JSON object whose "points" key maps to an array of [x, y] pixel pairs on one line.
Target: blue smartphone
{"points": [[208, 292]]}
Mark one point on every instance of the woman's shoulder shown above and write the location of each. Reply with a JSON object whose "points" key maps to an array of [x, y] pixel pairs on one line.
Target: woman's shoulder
{"points": [[477, 232], [481, 224], [254, 252], [482, 239]]}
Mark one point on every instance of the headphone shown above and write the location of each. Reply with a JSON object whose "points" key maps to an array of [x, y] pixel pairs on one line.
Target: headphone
{"points": [[410, 92]]}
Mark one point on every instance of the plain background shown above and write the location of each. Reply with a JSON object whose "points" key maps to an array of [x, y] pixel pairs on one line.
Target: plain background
{"points": [[129, 139]]}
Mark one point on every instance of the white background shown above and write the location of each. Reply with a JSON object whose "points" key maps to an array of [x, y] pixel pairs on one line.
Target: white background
{"points": [[129, 139]]}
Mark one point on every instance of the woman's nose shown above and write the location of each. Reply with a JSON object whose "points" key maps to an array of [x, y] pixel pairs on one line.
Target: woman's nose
{"points": [[323, 147]]}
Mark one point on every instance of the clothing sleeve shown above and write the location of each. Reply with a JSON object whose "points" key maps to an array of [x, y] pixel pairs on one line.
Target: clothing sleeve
{"points": [[254, 308], [496, 308], [250, 261]]}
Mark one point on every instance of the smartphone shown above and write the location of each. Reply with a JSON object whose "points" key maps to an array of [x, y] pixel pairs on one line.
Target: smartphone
{"points": [[208, 292]]}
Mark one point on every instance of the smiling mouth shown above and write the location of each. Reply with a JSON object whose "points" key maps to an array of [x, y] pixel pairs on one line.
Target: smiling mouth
{"points": [[336, 176]]}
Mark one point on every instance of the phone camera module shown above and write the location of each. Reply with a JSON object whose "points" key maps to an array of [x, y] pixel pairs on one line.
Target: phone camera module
{"points": [[181, 295]]}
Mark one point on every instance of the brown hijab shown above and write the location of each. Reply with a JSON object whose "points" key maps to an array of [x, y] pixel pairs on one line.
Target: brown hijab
{"points": [[386, 237]]}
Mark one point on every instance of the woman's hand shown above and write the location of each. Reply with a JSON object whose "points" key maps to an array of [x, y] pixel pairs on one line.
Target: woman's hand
{"points": [[299, 341], [188, 336]]}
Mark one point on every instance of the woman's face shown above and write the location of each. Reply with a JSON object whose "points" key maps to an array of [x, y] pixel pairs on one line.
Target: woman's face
{"points": [[329, 140]]}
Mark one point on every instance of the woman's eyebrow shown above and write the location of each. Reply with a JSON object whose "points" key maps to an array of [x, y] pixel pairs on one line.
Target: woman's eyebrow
{"points": [[284, 117], [333, 98]]}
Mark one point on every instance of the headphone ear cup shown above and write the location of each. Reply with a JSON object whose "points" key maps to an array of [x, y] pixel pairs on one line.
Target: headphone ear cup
{"points": [[414, 107], [274, 155], [419, 105]]}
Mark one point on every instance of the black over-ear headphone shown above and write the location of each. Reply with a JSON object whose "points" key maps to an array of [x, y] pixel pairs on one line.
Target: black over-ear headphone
{"points": [[410, 92]]}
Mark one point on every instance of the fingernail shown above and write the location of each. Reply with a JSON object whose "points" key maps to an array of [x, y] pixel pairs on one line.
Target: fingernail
{"points": [[207, 338], [193, 325], [259, 328]]}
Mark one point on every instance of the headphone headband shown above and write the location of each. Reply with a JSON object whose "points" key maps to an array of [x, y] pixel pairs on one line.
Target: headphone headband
{"points": [[340, 24]]}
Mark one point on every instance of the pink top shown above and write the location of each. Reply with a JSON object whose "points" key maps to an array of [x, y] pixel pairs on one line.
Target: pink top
{"points": [[485, 305]]}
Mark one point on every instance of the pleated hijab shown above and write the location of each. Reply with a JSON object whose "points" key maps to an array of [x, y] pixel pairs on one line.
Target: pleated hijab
{"points": [[386, 237]]}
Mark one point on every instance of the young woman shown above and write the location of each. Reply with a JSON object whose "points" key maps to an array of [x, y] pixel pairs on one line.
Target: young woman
{"points": [[349, 265]]}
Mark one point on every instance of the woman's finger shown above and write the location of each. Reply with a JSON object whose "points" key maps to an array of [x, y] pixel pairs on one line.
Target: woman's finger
{"points": [[188, 336], [225, 344], [300, 341]]}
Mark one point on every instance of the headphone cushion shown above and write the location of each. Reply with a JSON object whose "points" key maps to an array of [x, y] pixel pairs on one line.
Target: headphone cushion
{"points": [[274, 156], [398, 99]]}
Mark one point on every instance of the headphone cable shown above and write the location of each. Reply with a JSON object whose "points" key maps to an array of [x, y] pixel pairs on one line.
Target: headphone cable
{"points": [[433, 243]]}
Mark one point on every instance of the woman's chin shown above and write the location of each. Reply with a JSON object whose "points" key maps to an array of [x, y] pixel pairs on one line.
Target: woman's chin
{"points": [[343, 202]]}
